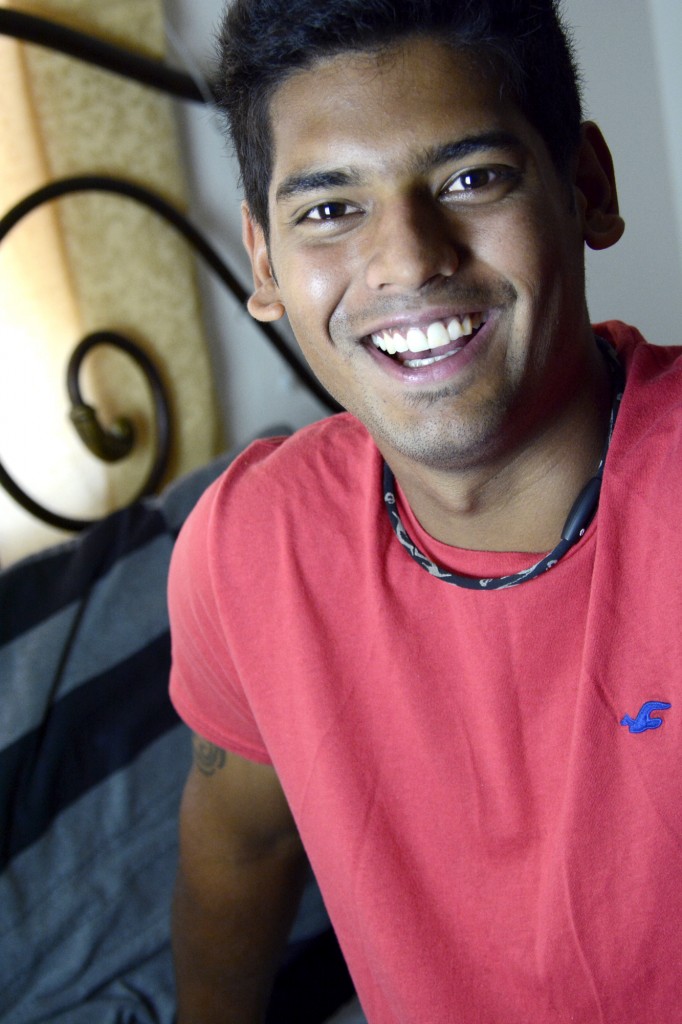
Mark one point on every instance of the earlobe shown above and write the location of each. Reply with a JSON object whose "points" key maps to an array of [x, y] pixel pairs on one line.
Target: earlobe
{"points": [[264, 303], [596, 194]]}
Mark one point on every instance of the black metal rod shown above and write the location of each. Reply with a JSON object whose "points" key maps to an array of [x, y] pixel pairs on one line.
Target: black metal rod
{"points": [[109, 439], [177, 220], [118, 60], [30, 28]]}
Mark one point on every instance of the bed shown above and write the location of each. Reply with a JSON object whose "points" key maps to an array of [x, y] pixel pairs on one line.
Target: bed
{"points": [[92, 764]]}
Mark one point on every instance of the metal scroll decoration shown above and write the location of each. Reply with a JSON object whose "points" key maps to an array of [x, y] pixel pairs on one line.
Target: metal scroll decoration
{"points": [[116, 442], [109, 444]]}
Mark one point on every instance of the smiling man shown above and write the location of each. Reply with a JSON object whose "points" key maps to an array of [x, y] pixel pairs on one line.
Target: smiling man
{"points": [[419, 638]]}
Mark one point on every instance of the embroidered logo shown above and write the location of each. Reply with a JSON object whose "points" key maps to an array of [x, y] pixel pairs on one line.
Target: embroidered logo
{"points": [[646, 719]]}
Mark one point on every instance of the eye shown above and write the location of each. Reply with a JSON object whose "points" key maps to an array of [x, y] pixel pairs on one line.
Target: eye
{"points": [[329, 211], [476, 179]]}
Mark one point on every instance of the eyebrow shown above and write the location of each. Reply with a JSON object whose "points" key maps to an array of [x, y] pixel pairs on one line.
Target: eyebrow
{"points": [[305, 181], [315, 181], [434, 156]]}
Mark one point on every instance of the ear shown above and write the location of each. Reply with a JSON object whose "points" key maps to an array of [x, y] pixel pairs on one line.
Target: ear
{"points": [[265, 303], [595, 186]]}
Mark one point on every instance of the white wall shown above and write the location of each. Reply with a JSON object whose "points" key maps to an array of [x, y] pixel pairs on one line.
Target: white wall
{"points": [[628, 51], [667, 35]]}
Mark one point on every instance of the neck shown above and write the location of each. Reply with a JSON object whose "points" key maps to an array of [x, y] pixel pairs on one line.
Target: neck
{"points": [[518, 501]]}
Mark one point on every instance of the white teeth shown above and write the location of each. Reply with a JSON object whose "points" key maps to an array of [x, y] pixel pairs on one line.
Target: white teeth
{"points": [[416, 340], [455, 330], [436, 335], [388, 344], [415, 363]]}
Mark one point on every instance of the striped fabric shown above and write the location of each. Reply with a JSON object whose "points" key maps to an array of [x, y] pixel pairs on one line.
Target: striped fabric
{"points": [[92, 763], [93, 760]]}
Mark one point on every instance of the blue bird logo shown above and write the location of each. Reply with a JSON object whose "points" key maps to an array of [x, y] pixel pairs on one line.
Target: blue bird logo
{"points": [[645, 719]]}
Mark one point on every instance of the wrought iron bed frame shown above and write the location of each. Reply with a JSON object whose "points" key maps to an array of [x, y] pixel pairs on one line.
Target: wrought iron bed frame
{"points": [[116, 441]]}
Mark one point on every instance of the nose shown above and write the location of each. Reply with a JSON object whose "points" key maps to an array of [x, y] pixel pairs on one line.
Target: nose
{"points": [[412, 244]]}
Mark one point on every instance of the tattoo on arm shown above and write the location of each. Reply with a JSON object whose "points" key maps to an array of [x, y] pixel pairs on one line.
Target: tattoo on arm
{"points": [[208, 758]]}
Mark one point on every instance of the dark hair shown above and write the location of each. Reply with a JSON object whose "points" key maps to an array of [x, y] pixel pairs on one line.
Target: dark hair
{"points": [[262, 42]]}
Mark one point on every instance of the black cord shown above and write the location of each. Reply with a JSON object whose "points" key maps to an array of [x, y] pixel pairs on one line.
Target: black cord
{"points": [[42, 32]]}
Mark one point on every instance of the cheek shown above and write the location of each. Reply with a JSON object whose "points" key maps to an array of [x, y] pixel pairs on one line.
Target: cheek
{"points": [[313, 291], [322, 288], [538, 261]]}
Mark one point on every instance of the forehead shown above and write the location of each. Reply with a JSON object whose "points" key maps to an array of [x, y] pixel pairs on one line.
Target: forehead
{"points": [[371, 108]]}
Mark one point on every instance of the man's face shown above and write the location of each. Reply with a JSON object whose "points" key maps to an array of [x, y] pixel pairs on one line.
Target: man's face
{"points": [[428, 255]]}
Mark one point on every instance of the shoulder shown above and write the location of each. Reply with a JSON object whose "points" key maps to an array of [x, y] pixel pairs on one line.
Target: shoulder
{"points": [[644, 363], [323, 470], [330, 453], [644, 464], [332, 446], [652, 401]]}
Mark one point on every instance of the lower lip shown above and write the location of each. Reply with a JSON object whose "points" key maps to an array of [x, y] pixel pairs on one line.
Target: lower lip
{"points": [[434, 373]]}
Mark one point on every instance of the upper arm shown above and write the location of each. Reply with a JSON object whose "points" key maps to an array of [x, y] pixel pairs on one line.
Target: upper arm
{"points": [[233, 809], [241, 873]]}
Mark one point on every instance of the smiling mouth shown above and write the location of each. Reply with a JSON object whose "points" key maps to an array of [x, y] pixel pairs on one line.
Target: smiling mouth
{"points": [[441, 340]]}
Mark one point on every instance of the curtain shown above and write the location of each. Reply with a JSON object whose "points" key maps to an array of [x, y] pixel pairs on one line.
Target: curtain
{"points": [[91, 262]]}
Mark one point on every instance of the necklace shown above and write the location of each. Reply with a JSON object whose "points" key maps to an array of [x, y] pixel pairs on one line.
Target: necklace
{"points": [[579, 518]]}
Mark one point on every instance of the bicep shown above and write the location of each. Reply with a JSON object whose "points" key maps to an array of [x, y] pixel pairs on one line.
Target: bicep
{"points": [[233, 809], [241, 873]]}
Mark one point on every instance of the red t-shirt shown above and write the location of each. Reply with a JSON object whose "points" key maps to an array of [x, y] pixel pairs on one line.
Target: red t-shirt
{"points": [[492, 844]]}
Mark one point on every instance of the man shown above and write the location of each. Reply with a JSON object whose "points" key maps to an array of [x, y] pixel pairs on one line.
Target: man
{"points": [[438, 636]]}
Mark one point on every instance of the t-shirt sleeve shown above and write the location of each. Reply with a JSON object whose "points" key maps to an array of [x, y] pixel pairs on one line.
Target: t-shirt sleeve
{"points": [[204, 686]]}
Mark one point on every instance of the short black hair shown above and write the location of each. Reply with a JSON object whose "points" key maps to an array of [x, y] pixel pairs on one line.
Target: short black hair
{"points": [[262, 42]]}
